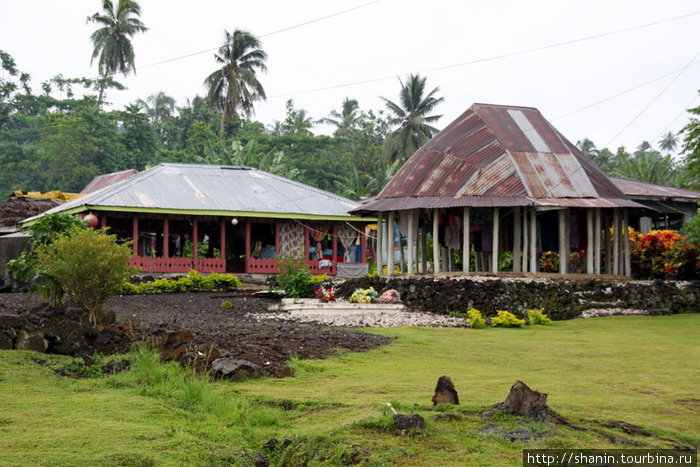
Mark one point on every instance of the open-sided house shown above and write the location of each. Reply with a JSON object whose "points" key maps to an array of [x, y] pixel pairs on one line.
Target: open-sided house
{"points": [[225, 219], [503, 179]]}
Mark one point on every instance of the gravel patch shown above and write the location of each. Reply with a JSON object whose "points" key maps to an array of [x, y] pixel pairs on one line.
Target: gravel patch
{"points": [[364, 318]]}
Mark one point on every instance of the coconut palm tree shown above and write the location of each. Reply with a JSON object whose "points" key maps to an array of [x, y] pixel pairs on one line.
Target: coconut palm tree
{"points": [[668, 142], [344, 120], [412, 115], [157, 106], [234, 87], [112, 41]]}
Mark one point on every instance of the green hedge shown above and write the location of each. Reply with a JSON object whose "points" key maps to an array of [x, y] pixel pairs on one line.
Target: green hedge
{"points": [[194, 282]]}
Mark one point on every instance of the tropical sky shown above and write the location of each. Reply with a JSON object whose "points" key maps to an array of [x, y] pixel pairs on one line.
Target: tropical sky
{"points": [[615, 71]]}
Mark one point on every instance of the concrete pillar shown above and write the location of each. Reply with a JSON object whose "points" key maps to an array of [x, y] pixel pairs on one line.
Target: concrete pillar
{"points": [[517, 225], [436, 242], [563, 243], [494, 241], [390, 226], [466, 248]]}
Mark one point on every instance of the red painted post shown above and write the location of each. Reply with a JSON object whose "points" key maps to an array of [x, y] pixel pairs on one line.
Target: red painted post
{"points": [[135, 233], [247, 244], [334, 234], [278, 231], [166, 236]]}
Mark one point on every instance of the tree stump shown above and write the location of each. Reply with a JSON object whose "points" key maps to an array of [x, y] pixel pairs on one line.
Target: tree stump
{"points": [[524, 402], [445, 392]]}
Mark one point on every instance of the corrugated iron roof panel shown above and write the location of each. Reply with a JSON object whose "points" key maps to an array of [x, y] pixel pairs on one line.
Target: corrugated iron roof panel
{"points": [[647, 190], [512, 151], [216, 188]]}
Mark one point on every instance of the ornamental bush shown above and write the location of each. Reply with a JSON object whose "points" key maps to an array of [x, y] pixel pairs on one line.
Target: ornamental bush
{"points": [[475, 320], [537, 317], [506, 319], [194, 282], [89, 265], [294, 277], [664, 254]]}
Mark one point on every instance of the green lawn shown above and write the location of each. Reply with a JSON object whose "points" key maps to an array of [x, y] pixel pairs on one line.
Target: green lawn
{"points": [[641, 370]]}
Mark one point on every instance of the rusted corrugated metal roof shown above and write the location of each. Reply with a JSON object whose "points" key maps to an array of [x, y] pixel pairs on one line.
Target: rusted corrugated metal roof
{"points": [[102, 181], [644, 190], [495, 155], [213, 189]]}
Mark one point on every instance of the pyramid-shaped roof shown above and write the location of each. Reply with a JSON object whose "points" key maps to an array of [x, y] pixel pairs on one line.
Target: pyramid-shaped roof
{"points": [[213, 190], [496, 155]]}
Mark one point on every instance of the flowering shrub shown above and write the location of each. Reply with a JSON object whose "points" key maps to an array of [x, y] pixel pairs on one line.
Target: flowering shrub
{"points": [[364, 295], [475, 320], [549, 261], [663, 254], [326, 295], [390, 296], [538, 317], [506, 319]]}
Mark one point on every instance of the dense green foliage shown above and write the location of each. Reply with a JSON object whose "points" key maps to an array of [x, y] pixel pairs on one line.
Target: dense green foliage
{"points": [[506, 319], [43, 232], [89, 265], [194, 282], [294, 277], [537, 317]]}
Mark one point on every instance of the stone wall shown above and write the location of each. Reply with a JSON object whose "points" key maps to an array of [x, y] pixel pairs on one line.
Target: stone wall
{"points": [[561, 299]]}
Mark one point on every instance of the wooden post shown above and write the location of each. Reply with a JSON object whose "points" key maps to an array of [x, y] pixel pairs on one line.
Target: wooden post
{"points": [[103, 219], [411, 241], [526, 240], [166, 236], [596, 241], [334, 242], [494, 240], [517, 225], [380, 245], [563, 241], [616, 242], [467, 247], [135, 233], [436, 241], [626, 243], [247, 244], [589, 241], [533, 240], [390, 244]]}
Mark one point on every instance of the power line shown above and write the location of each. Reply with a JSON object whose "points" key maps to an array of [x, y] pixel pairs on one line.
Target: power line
{"points": [[654, 99], [491, 58], [288, 28]]}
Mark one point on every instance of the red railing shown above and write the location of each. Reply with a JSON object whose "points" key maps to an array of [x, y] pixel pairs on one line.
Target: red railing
{"points": [[149, 264], [261, 266]]}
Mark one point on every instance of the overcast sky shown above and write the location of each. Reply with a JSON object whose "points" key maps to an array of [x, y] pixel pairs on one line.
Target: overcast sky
{"points": [[640, 57]]}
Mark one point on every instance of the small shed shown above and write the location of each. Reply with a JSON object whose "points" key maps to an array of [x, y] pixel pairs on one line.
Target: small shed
{"points": [[215, 218], [502, 179]]}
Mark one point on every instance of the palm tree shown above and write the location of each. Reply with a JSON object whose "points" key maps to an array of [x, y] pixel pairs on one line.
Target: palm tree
{"points": [[412, 115], [344, 120], [668, 142], [112, 41], [158, 106], [235, 86]]}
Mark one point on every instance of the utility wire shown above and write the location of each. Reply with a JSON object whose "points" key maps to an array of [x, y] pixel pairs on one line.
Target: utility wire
{"points": [[491, 58], [654, 99]]}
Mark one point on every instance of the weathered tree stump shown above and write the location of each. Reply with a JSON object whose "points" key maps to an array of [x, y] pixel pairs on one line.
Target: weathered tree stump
{"points": [[524, 402], [445, 392]]}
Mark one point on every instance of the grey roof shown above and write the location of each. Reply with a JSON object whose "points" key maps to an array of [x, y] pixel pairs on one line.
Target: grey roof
{"points": [[645, 190], [213, 189]]}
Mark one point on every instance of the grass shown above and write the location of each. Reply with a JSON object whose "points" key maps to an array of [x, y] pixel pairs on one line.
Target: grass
{"points": [[641, 370]]}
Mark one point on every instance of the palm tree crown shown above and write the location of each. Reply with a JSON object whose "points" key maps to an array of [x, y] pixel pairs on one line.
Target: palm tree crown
{"points": [[668, 142], [235, 85], [344, 120], [112, 42], [412, 114]]}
